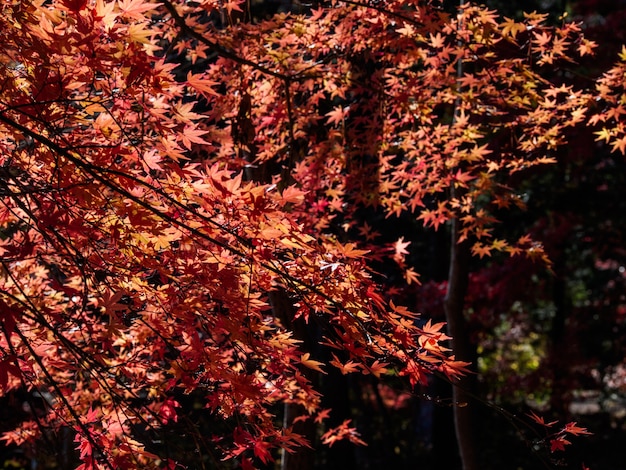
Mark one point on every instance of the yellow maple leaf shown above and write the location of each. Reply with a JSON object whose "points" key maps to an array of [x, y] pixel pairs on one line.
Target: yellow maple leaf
{"points": [[311, 364]]}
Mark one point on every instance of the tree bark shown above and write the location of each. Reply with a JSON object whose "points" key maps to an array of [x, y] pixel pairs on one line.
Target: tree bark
{"points": [[463, 349], [465, 423]]}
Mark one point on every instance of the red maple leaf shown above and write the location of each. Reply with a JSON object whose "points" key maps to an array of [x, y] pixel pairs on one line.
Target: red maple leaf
{"points": [[575, 430], [539, 420], [337, 115], [558, 444]]}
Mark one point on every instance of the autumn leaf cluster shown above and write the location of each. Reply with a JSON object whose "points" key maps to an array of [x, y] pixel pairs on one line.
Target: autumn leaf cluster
{"points": [[166, 168]]}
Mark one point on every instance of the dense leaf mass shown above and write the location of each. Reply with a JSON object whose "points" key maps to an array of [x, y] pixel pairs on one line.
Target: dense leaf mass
{"points": [[167, 169]]}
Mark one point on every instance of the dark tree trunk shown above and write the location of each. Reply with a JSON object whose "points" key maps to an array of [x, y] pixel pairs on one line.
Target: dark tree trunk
{"points": [[462, 347], [465, 423]]}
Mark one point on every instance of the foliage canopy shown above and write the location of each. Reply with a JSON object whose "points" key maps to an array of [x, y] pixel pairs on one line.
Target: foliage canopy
{"points": [[167, 168]]}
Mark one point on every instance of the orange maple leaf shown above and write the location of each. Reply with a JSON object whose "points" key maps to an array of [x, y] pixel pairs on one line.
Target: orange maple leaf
{"points": [[337, 115], [586, 47], [542, 39], [378, 368], [347, 368], [410, 276], [192, 135], [322, 415], [437, 41], [539, 420], [431, 328], [511, 27], [292, 195], [203, 85], [481, 250], [619, 144], [349, 250], [136, 8], [311, 364]]}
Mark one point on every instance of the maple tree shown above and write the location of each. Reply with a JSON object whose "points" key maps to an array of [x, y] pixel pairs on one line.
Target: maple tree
{"points": [[172, 174]]}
